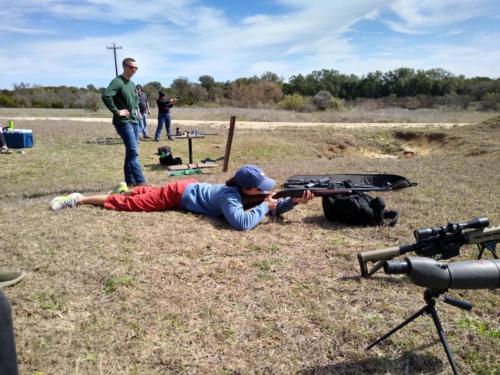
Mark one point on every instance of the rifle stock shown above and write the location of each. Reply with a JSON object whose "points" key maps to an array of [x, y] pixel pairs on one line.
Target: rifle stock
{"points": [[378, 257], [485, 238]]}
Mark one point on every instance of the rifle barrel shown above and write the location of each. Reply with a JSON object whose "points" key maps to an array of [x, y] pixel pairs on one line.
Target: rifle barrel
{"points": [[317, 192]]}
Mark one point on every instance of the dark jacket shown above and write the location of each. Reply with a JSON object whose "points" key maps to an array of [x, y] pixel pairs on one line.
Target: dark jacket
{"points": [[164, 105]]}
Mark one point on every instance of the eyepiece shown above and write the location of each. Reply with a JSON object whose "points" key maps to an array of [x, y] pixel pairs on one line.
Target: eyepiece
{"points": [[423, 233], [394, 267]]}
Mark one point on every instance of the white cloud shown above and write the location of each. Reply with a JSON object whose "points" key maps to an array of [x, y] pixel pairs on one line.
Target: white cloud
{"points": [[186, 38], [421, 16]]}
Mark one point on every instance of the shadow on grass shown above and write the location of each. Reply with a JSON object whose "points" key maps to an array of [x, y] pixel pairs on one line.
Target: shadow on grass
{"points": [[156, 167], [408, 363], [386, 279], [323, 223], [107, 141]]}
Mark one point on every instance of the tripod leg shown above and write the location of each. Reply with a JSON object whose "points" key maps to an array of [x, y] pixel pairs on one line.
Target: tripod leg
{"points": [[423, 310], [491, 246], [442, 337]]}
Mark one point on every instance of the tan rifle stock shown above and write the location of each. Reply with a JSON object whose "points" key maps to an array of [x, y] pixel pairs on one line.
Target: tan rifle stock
{"points": [[482, 237]]}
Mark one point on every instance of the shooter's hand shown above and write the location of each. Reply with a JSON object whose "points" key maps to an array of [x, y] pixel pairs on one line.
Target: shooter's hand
{"points": [[271, 202], [306, 197], [124, 113]]}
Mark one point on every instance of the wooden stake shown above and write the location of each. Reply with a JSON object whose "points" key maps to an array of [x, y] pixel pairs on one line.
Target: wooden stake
{"points": [[229, 142]]}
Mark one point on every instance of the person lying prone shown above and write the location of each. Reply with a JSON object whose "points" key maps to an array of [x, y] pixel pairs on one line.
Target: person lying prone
{"points": [[227, 200]]}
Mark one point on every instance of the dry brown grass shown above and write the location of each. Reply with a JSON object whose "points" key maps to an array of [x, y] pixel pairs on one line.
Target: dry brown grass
{"points": [[177, 293], [350, 114]]}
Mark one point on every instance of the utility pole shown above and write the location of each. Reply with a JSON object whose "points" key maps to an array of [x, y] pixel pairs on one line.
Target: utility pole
{"points": [[114, 48]]}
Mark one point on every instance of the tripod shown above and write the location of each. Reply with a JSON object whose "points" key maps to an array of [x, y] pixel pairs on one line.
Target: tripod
{"points": [[430, 296], [491, 246]]}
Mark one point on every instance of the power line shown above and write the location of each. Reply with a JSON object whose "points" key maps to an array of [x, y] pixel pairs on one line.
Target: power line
{"points": [[114, 48]]}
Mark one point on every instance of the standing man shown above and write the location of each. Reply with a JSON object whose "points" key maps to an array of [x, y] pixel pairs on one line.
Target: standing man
{"points": [[143, 109], [121, 99], [164, 117], [3, 143]]}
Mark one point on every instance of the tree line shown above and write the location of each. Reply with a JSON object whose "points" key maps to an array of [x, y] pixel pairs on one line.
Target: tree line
{"points": [[318, 90]]}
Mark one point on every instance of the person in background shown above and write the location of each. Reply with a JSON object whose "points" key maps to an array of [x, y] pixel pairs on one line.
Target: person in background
{"points": [[164, 116], [3, 143], [120, 98], [226, 200], [144, 110]]}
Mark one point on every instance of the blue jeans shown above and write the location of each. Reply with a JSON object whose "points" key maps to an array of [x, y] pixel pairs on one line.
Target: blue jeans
{"points": [[8, 358], [164, 120], [143, 123], [129, 132]]}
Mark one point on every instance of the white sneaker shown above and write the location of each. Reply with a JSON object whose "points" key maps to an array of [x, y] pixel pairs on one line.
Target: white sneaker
{"points": [[65, 201]]}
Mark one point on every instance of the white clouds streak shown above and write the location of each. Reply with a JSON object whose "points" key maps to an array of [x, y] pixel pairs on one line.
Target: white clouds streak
{"points": [[421, 16], [172, 38]]}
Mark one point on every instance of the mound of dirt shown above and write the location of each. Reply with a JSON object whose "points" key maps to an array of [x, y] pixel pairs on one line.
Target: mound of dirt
{"points": [[495, 121]]}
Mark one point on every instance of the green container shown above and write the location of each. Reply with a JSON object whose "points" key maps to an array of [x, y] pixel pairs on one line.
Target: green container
{"points": [[11, 124]]}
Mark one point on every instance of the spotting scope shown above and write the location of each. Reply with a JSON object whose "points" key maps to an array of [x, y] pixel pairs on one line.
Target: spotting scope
{"points": [[432, 274]]}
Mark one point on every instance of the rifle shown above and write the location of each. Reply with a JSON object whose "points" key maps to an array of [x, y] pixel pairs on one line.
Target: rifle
{"points": [[438, 243], [254, 200]]}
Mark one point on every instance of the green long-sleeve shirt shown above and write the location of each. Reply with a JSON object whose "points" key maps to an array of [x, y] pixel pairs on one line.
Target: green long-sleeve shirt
{"points": [[121, 94]]}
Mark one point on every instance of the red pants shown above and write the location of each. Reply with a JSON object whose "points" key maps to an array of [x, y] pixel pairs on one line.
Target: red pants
{"points": [[149, 198]]}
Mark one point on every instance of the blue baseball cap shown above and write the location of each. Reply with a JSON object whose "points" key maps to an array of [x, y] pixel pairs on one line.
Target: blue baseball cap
{"points": [[250, 176]]}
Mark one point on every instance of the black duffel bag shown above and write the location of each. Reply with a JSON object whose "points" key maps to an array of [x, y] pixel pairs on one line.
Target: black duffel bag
{"points": [[358, 209], [166, 157]]}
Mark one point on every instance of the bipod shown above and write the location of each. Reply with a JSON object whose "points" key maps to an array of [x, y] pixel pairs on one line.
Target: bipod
{"points": [[430, 296], [491, 246]]}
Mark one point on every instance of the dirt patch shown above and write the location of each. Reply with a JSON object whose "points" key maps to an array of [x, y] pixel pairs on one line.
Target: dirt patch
{"points": [[341, 145], [420, 137]]}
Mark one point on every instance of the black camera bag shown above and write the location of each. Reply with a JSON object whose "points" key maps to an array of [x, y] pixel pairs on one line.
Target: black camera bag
{"points": [[358, 209], [166, 157]]}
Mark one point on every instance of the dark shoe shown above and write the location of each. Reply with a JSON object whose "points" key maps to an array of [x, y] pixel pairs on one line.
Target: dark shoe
{"points": [[10, 278], [146, 137], [171, 138]]}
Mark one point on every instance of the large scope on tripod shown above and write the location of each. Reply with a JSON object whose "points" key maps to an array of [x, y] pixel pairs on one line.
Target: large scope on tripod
{"points": [[429, 273], [451, 228]]}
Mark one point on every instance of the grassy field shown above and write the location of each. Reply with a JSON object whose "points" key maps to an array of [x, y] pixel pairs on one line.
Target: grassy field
{"points": [[350, 114], [177, 293]]}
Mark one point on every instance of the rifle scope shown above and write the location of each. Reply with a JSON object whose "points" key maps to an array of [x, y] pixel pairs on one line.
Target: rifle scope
{"points": [[429, 273], [477, 223]]}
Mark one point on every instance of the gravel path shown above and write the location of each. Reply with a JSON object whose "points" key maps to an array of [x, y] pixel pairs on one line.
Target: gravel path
{"points": [[264, 125]]}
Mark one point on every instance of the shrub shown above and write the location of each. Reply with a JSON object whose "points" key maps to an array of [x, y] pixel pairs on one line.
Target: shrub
{"points": [[7, 101], [293, 102], [337, 103], [323, 100], [244, 93], [490, 101], [92, 101]]}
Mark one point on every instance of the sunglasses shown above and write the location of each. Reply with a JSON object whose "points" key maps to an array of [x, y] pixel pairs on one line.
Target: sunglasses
{"points": [[132, 67]]}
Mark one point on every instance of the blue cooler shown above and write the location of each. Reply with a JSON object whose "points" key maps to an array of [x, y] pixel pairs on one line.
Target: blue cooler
{"points": [[19, 138]]}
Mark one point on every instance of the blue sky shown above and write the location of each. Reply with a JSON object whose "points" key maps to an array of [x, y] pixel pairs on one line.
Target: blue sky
{"points": [[63, 42]]}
